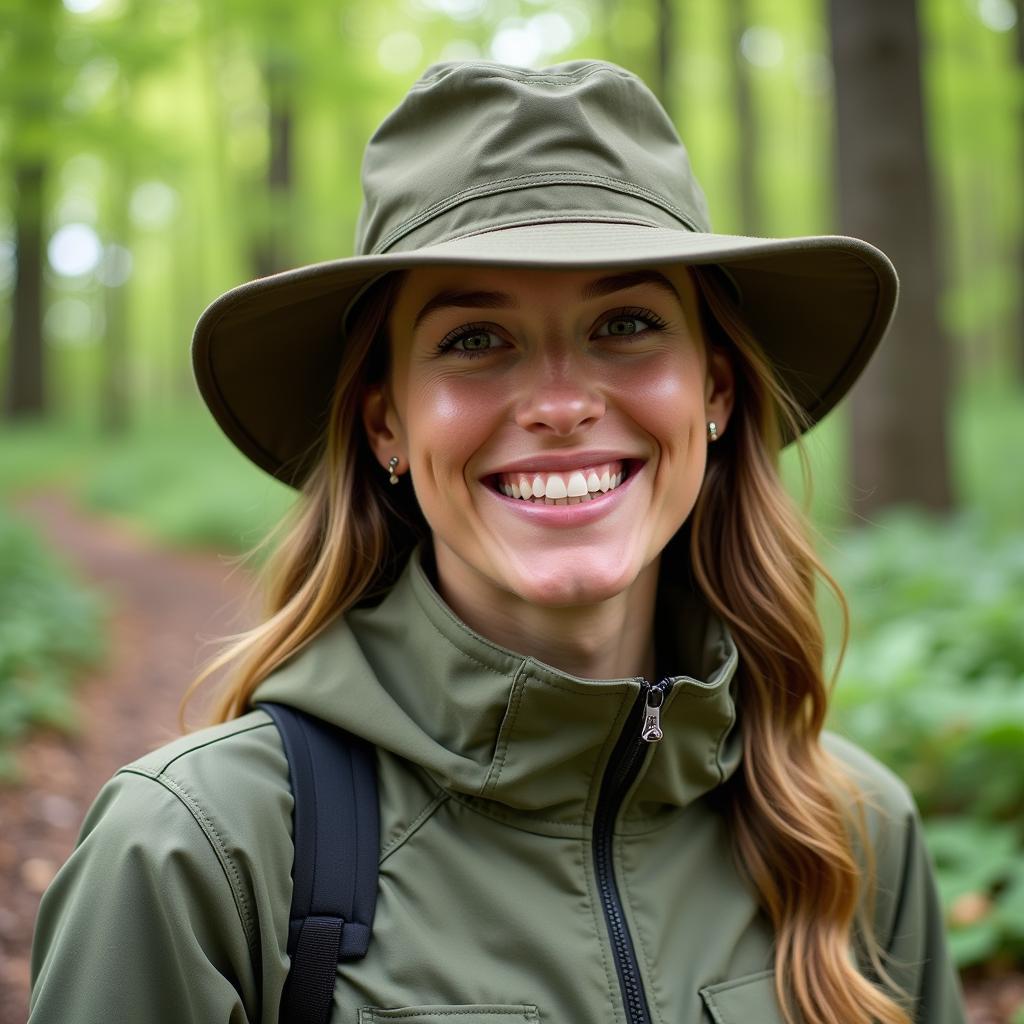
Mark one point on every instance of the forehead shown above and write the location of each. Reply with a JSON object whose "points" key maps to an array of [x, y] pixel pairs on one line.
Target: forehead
{"points": [[426, 289]]}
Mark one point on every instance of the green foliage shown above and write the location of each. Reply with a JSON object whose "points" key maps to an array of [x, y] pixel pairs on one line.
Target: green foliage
{"points": [[986, 429], [185, 483], [34, 454], [933, 685], [49, 627], [175, 476], [980, 873]]}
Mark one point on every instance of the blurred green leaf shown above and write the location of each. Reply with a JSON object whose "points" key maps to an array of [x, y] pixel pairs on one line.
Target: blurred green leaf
{"points": [[50, 626], [933, 685]]}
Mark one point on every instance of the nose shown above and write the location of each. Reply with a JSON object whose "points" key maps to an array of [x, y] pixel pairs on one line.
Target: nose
{"points": [[559, 399]]}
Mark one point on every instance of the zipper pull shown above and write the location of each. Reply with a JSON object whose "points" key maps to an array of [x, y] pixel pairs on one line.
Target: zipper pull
{"points": [[650, 731]]}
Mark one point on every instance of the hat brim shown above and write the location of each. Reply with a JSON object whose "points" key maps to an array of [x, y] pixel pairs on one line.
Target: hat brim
{"points": [[266, 353]]}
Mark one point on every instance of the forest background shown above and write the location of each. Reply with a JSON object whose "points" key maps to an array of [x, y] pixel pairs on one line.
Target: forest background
{"points": [[155, 154]]}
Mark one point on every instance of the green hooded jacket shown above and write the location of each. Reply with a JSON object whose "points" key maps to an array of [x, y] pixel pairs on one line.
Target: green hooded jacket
{"points": [[539, 861]]}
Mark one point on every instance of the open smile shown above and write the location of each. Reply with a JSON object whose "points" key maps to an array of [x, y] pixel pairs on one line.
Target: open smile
{"points": [[568, 498], [571, 487]]}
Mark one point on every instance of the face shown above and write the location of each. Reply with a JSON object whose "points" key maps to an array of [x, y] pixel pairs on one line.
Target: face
{"points": [[591, 387]]}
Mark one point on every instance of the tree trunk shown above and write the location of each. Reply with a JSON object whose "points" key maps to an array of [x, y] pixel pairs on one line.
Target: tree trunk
{"points": [[746, 121], [664, 64], [114, 372], [26, 392], [29, 100], [115, 354], [900, 447], [271, 252]]}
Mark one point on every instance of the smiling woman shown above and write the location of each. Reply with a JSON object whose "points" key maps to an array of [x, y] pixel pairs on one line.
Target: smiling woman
{"points": [[576, 377], [543, 563]]}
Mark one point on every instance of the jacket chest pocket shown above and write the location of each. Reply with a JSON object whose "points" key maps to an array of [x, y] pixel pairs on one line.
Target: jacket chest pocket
{"points": [[747, 1000], [482, 1013]]}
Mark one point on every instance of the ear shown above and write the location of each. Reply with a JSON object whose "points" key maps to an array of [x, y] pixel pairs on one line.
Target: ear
{"points": [[719, 388], [383, 428]]}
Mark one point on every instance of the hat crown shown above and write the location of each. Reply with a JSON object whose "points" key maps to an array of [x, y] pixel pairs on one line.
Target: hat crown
{"points": [[475, 146]]}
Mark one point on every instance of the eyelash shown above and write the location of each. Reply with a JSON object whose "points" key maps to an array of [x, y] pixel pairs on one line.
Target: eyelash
{"points": [[467, 330]]}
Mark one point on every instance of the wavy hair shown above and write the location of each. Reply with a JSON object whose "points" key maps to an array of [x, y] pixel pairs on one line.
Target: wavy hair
{"points": [[797, 820]]}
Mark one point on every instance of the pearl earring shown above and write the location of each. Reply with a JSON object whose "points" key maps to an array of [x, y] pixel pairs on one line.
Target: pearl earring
{"points": [[392, 466], [712, 430]]}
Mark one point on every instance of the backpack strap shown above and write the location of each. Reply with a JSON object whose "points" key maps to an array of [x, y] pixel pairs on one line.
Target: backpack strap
{"points": [[336, 833]]}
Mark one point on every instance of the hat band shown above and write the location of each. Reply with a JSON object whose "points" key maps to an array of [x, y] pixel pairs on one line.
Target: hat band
{"points": [[534, 198]]}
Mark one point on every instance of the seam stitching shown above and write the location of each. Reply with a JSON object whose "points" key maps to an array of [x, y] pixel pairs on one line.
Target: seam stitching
{"points": [[523, 1011], [216, 842], [568, 78], [522, 181], [202, 746], [538, 177], [507, 729], [567, 217], [461, 652], [468, 803], [582, 692], [720, 743], [709, 1002], [671, 818], [414, 826]]}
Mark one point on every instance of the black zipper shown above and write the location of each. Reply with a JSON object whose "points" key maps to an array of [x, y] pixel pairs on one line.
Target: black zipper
{"points": [[642, 728]]}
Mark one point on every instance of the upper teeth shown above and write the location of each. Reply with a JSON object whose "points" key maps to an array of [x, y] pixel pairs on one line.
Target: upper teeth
{"points": [[576, 484]]}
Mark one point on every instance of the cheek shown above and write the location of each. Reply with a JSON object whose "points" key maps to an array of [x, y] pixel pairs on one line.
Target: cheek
{"points": [[448, 420], [667, 397], [433, 409]]}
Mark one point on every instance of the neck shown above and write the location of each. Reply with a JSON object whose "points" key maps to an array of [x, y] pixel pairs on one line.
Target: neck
{"points": [[612, 639]]}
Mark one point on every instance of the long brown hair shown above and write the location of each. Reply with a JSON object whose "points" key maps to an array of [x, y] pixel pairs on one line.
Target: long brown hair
{"points": [[752, 558], [794, 812]]}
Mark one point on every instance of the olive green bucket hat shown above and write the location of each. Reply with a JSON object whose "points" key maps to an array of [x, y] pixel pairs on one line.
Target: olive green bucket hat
{"points": [[571, 166]]}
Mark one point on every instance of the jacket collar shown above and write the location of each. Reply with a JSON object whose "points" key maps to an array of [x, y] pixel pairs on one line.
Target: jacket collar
{"points": [[514, 737]]}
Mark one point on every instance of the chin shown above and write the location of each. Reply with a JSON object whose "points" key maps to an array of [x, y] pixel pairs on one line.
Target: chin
{"points": [[562, 590]]}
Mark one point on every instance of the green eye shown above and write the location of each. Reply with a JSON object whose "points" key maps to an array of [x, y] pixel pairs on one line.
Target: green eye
{"points": [[629, 322], [470, 340], [622, 325], [474, 342]]}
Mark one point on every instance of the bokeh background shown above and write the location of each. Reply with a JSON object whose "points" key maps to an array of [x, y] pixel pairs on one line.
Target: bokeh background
{"points": [[154, 154]]}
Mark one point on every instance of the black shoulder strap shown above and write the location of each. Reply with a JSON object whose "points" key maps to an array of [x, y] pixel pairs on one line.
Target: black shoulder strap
{"points": [[337, 844]]}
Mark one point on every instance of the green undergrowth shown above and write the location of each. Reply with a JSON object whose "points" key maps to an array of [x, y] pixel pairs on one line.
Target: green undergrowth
{"points": [[174, 476], [50, 628], [933, 685]]}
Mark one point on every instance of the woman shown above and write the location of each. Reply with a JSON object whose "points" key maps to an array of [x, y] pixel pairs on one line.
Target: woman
{"points": [[544, 563]]}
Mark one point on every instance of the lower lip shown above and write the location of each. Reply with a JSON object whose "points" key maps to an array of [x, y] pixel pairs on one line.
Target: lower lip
{"points": [[567, 515]]}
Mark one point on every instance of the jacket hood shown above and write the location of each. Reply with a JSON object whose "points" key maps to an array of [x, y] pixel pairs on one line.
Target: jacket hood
{"points": [[519, 738]]}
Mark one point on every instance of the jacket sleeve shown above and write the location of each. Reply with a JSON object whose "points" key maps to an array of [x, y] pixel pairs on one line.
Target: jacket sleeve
{"points": [[919, 958], [141, 923]]}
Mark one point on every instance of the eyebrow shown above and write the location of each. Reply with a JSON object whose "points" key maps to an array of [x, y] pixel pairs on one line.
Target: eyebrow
{"points": [[461, 299]]}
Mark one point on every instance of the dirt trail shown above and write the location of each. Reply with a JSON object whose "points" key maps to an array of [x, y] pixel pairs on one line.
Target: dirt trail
{"points": [[162, 605]]}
